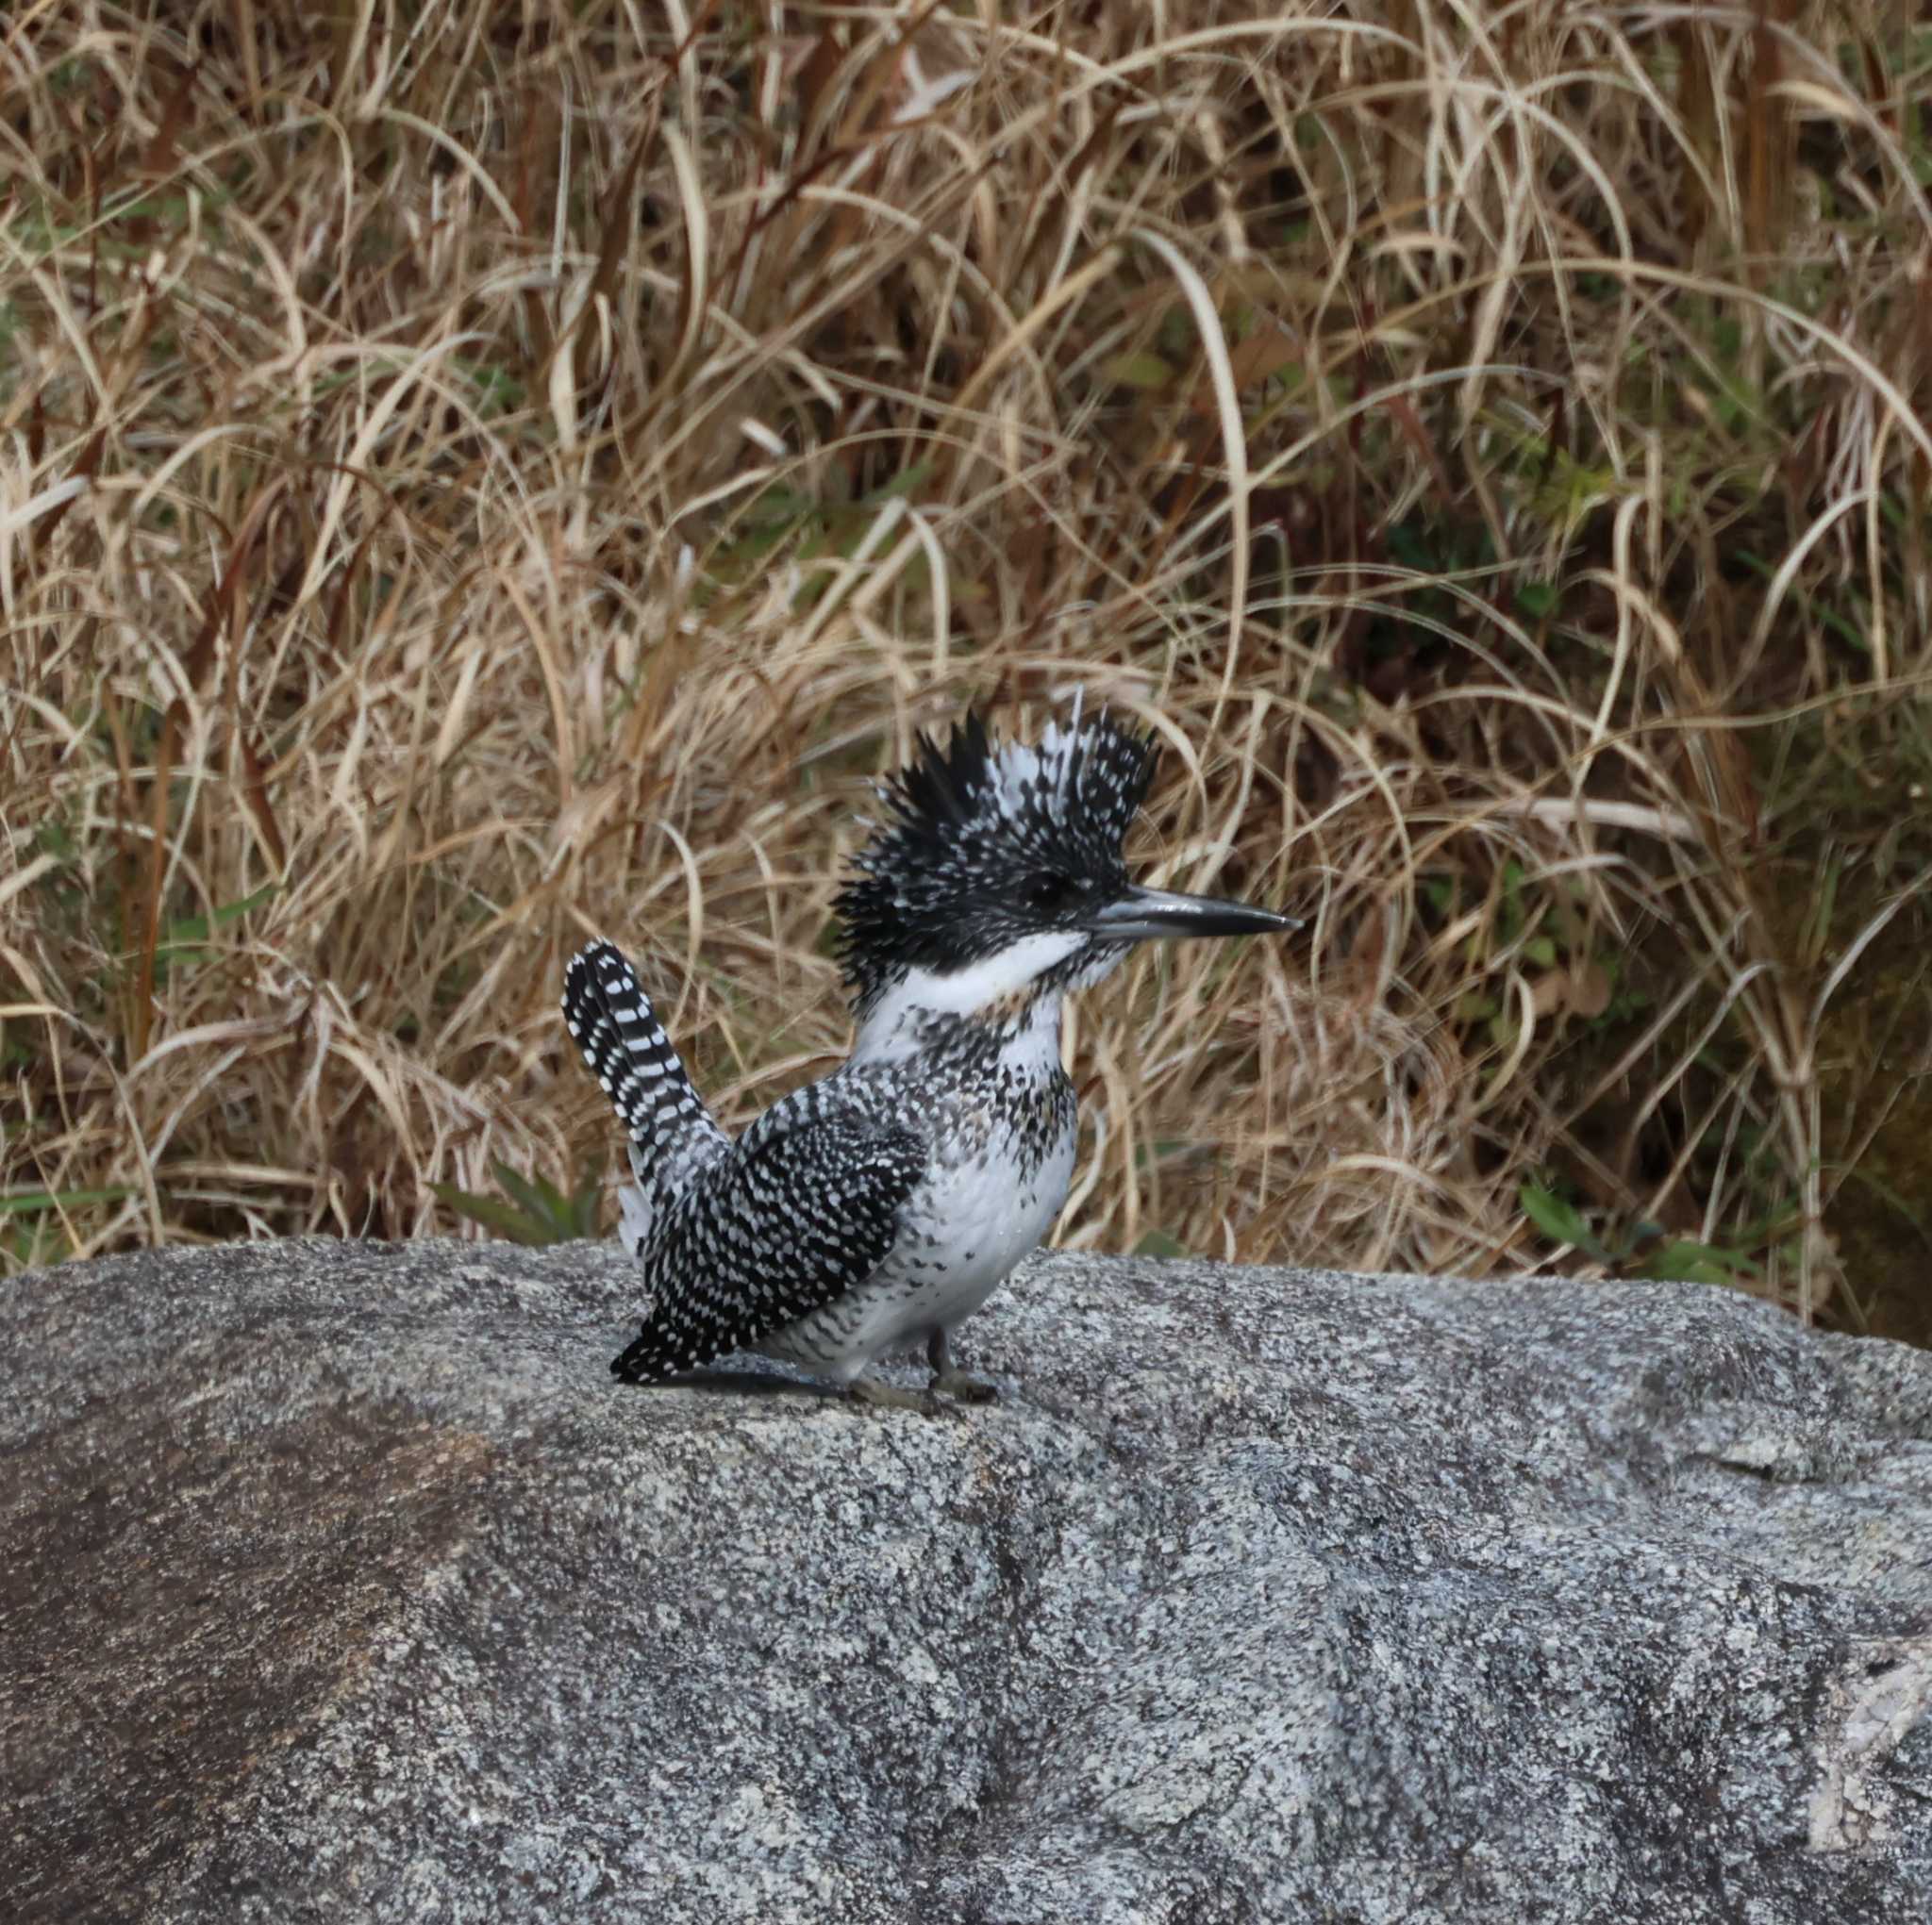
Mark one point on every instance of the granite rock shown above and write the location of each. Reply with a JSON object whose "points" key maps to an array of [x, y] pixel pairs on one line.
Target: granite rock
{"points": [[342, 1583]]}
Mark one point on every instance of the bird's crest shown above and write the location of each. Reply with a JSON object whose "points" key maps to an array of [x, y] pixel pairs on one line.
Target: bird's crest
{"points": [[970, 828]]}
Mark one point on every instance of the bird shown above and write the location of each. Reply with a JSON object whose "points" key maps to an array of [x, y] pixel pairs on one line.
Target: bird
{"points": [[881, 1206]]}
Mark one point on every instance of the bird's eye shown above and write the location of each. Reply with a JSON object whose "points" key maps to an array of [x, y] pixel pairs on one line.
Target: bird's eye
{"points": [[1049, 894]]}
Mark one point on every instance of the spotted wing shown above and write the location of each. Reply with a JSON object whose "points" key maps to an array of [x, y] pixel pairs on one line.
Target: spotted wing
{"points": [[804, 1208]]}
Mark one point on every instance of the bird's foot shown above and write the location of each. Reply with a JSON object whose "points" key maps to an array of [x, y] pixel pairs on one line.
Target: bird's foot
{"points": [[947, 1382], [963, 1387], [882, 1396]]}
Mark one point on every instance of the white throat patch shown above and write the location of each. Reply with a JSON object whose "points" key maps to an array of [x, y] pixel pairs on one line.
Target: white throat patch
{"points": [[889, 1029]]}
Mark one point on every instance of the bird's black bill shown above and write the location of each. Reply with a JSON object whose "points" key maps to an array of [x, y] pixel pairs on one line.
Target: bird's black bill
{"points": [[1142, 914]]}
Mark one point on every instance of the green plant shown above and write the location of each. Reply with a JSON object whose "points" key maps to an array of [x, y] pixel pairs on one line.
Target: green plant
{"points": [[537, 1212], [1643, 1248]]}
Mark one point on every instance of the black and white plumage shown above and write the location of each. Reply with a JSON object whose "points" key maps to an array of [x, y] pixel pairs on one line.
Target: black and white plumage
{"points": [[984, 846], [884, 1204]]}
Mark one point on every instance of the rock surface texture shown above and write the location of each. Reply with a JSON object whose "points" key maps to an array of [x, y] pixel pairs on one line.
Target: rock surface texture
{"points": [[341, 1582]]}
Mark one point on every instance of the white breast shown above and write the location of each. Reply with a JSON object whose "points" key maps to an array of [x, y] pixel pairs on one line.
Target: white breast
{"points": [[983, 1217], [965, 1228]]}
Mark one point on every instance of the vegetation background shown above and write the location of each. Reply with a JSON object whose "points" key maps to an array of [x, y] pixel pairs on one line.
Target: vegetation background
{"points": [[475, 475]]}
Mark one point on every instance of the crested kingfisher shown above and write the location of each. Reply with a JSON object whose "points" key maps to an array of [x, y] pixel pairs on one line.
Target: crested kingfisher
{"points": [[881, 1206]]}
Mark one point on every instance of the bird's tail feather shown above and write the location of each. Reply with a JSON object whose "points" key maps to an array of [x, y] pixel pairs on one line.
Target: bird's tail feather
{"points": [[623, 1045]]}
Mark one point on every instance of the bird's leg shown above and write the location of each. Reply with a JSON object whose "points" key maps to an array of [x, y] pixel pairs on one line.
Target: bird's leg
{"points": [[952, 1383], [883, 1396]]}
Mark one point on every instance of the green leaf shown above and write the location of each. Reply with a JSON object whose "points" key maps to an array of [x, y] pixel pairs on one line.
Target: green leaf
{"points": [[57, 839], [909, 481], [583, 1204], [185, 934], [780, 507], [500, 1216], [1509, 916], [1177, 336], [1537, 598], [528, 1197], [1684, 1261], [19, 1202], [230, 911], [1145, 371], [1558, 1220], [537, 1212]]}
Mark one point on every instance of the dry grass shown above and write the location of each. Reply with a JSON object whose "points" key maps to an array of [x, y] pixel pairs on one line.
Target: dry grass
{"points": [[475, 475]]}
